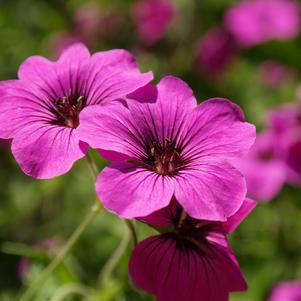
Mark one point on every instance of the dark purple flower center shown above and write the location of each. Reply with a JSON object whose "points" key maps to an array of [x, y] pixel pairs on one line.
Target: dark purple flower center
{"points": [[191, 233], [164, 158], [67, 109]]}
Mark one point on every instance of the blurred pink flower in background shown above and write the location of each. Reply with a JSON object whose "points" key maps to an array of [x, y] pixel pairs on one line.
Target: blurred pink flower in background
{"points": [[111, 23], [264, 170], [23, 267], [216, 51], [285, 121], [274, 74], [42, 250], [90, 25], [87, 20], [275, 158], [254, 22], [286, 291], [153, 18]]}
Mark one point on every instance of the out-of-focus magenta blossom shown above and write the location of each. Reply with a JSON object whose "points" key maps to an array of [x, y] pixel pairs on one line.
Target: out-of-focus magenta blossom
{"points": [[85, 28], [285, 121], [92, 24], [169, 147], [215, 51], [274, 74], [286, 291], [87, 21], [23, 267], [89, 25], [46, 247], [40, 111], [191, 259], [263, 168], [254, 22], [153, 18]]}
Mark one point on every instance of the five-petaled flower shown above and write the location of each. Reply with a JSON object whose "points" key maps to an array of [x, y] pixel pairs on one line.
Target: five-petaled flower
{"points": [[40, 111], [191, 259], [169, 147]]}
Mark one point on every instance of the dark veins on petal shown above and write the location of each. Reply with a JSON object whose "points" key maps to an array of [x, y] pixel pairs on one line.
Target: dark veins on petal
{"points": [[66, 110], [190, 233]]}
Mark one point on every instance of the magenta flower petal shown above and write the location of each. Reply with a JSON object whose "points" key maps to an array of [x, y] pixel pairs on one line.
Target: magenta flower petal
{"points": [[178, 142], [204, 190], [113, 75], [163, 217], [47, 150], [190, 259], [217, 129], [175, 271], [122, 186], [48, 98], [233, 222], [118, 134]]}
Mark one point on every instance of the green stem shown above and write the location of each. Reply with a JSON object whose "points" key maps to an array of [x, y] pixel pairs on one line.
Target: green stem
{"points": [[112, 262], [92, 166], [69, 289], [94, 171], [132, 229], [29, 293]]}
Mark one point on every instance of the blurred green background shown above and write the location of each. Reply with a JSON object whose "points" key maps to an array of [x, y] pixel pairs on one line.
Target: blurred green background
{"points": [[35, 213]]}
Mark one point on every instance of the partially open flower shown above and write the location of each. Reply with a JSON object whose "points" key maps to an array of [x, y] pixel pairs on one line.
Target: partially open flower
{"points": [[191, 259]]}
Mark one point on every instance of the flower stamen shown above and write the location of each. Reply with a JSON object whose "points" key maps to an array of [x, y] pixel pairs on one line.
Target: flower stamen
{"points": [[67, 110]]}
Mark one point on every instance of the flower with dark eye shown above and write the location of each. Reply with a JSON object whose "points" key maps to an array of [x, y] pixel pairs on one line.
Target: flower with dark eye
{"points": [[40, 111], [169, 147]]}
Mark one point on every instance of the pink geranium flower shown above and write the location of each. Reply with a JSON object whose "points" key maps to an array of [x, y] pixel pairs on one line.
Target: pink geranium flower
{"points": [[286, 291], [169, 147], [191, 259], [153, 18], [263, 168], [40, 111], [254, 22]]}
